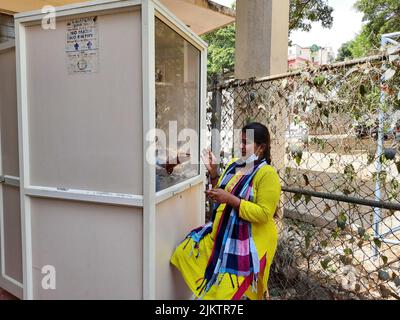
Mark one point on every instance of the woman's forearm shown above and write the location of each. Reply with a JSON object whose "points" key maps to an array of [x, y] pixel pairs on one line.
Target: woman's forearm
{"points": [[234, 201], [214, 180]]}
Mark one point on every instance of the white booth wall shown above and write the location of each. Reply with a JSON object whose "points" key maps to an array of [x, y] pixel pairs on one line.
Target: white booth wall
{"points": [[10, 215], [81, 124], [95, 249], [175, 218]]}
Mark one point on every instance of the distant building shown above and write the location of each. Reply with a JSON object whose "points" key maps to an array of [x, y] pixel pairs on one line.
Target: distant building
{"points": [[299, 57]]}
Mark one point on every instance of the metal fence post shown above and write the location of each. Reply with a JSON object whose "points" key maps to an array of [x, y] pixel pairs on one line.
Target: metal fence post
{"points": [[385, 39], [216, 105], [378, 166]]}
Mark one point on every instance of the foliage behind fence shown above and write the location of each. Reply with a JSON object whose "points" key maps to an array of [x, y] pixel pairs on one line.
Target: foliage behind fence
{"points": [[338, 157]]}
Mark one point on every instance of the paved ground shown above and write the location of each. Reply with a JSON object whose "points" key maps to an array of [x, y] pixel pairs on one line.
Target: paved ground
{"points": [[4, 295]]}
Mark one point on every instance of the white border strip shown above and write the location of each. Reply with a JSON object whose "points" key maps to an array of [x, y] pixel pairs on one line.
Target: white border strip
{"points": [[14, 282], [11, 286], [10, 181], [149, 171], [203, 125], [86, 196], [23, 143]]}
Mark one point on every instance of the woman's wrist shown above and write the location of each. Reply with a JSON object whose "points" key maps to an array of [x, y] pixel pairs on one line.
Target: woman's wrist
{"points": [[214, 177], [235, 202], [213, 174]]}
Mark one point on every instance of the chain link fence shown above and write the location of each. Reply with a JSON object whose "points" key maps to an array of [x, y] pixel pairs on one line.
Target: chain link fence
{"points": [[335, 134]]}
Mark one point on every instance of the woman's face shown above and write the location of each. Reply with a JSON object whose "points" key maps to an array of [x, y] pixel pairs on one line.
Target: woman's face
{"points": [[248, 147]]}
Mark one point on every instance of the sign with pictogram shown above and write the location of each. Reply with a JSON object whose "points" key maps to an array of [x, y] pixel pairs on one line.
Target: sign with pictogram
{"points": [[82, 47]]}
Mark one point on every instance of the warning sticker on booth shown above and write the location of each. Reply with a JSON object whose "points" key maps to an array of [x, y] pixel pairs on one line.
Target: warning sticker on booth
{"points": [[82, 46]]}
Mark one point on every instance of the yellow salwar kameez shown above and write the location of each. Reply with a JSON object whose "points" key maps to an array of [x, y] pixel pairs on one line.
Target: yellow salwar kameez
{"points": [[267, 190]]}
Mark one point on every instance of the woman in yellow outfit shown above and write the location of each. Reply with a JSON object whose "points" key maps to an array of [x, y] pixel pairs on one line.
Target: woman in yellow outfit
{"points": [[230, 257]]}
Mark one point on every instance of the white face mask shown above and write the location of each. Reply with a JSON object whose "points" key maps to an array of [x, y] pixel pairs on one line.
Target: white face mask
{"points": [[252, 158]]}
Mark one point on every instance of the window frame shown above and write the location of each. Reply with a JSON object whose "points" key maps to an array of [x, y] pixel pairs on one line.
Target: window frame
{"points": [[188, 35]]}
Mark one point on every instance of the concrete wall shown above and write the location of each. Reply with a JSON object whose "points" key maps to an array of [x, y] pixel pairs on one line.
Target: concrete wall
{"points": [[262, 28]]}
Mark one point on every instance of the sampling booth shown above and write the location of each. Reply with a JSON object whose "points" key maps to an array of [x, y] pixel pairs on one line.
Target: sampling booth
{"points": [[106, 96]]}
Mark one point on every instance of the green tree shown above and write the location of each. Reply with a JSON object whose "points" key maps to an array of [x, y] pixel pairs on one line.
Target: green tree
{"points": [[344, 52], [379, 16], [303, 13], [361, 46], [221, 50]]}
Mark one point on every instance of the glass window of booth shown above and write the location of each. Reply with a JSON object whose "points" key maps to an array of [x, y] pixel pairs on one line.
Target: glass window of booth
{"points": [[177, 78]]}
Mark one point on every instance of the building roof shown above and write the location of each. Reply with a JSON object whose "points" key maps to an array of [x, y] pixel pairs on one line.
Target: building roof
{"points": [[201, 16], [298, 59]]}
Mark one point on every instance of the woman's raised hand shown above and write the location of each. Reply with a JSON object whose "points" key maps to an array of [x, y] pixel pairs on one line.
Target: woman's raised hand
{"points": [[210, 162], [222, 196]]}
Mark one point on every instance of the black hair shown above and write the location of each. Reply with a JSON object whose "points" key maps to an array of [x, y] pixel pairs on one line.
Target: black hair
{"points": [[261, 136]]}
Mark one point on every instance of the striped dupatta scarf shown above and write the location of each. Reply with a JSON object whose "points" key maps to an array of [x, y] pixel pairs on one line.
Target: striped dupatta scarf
{"points": [[234, 251]]}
